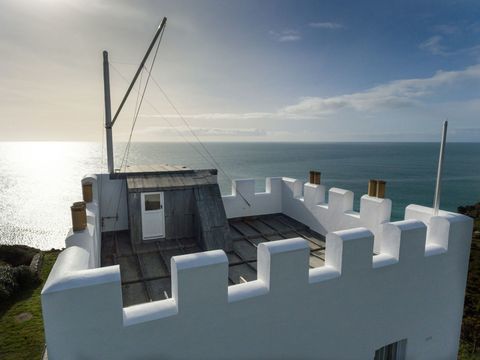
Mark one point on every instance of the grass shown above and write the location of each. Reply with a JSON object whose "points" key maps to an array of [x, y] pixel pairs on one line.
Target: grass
{"points": [[25, 340], [469, 346]]}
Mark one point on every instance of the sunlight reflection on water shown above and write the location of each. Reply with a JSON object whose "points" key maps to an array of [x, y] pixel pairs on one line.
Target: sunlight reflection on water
{"points": [[37, 183]]}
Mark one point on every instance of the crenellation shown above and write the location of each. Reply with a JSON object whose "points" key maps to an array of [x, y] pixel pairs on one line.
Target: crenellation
{"points": [[200, 278], [438, 233], [323, 273], [405, 240], [244, 188], [439, 227], [349, 251], [245, 202], [273, 185], [340, 200], [283, 265], [151, 311], [374, 213], [292, 188], [248, 290], [313, 194]]}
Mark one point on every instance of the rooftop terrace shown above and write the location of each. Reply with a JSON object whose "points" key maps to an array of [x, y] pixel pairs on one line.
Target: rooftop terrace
{"points": [[145, 268]]}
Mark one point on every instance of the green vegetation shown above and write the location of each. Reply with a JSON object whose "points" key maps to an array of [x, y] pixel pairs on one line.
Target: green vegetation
{"points": [[16, 255], [21, 325], [15, 272], [470, 341], [14, 279]]}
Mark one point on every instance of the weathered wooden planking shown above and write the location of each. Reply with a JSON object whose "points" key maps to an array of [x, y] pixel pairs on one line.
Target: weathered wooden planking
{"points": [[211, 220], [135, 217], [169, 181], [154, 168]]}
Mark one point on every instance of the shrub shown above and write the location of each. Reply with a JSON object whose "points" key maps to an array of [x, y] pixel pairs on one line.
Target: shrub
{"points": [[24, 276], [8, 283], [16, 255], [13, 279]]}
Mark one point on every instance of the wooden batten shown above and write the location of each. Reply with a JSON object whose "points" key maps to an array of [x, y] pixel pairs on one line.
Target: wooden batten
{"points": [[312, 177], [316, 179]]}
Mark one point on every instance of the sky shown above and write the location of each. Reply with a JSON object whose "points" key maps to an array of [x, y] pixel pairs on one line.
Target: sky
{"points": [[264, 70]]}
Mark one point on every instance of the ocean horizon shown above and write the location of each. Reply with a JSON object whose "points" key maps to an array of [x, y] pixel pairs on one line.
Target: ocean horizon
{"points": [[40, 180]]}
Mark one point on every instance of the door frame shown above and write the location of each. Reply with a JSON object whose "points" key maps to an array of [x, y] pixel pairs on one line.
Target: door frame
{"points": [[160, 211]]}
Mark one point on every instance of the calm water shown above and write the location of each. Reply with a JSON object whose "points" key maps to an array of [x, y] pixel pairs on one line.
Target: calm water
{"points": [[39, 181]]}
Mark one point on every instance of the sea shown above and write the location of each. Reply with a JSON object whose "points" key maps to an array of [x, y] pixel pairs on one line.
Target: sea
{"points": [[40, 180]]}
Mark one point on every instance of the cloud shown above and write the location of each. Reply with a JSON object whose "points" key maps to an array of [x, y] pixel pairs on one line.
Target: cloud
{"points": [[216, 116], [446, 29], [395, 94], [433, 45], [184, 131], [446, 38], [287, 35], [326, 25], [290, 35], [436, 47]]}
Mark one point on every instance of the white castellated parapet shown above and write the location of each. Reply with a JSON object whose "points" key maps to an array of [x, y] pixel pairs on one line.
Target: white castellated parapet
{"points": [[306, 203], [411, 290]]}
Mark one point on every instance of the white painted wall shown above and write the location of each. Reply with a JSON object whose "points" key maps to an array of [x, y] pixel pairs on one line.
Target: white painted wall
{"points": [[113, 201], [413, 289], [245, 202], [306, 203]]}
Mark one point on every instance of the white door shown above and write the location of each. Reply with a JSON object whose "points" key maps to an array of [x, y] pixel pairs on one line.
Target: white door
{"points": [[153, 217]]}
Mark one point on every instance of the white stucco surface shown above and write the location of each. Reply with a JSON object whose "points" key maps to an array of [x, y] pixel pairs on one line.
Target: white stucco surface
{"points": [[112, 195], [306, 203], [358, 302]]}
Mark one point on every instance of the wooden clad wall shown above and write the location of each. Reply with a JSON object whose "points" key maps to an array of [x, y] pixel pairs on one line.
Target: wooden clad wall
{"points": [[193, 208], [135, 217], [211, 220], [179, 215]]}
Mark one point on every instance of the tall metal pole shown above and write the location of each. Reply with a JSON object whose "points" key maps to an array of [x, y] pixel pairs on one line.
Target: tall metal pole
{"points": [[140, 67], [436, 201], [108, 112]]}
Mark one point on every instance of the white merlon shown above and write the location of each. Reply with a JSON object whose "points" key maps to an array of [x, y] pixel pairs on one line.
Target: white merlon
{"points": [[412, 289]]}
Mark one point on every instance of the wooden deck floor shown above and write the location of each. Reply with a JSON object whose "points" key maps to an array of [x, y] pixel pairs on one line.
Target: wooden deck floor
{"points": [[145, 269]]}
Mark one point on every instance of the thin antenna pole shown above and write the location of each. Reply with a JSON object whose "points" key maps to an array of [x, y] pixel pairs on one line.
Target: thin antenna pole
{"points": [[108, 112], [436, 201], [142, 64]]}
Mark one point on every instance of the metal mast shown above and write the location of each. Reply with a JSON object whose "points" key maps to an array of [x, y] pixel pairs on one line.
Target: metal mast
{"points": [[108, 112], [109, 122], [436, 201]]}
